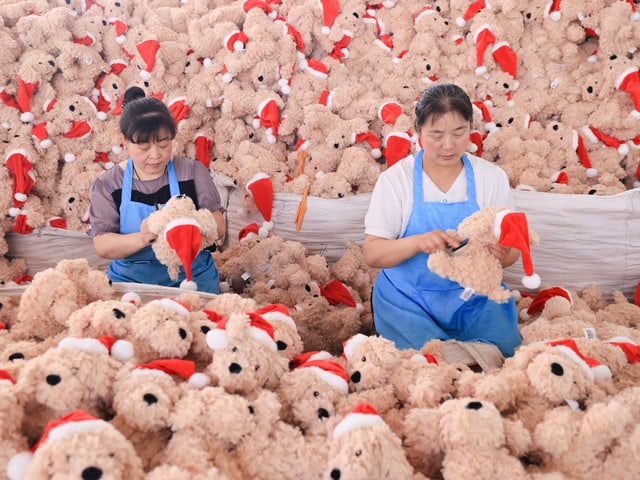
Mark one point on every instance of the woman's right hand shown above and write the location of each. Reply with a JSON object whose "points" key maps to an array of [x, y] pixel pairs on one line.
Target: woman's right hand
{"points": [[435, 241]]}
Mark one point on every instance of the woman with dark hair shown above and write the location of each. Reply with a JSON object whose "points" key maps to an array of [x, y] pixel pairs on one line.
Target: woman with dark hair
{"points": [[125, 195], [412, 206]]}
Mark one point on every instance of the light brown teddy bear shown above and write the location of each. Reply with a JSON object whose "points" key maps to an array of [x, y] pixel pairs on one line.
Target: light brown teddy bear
{"points": [[102, 317], [11, 415], [473, 266], [144, 397], [363, 446], [467, 425], [78, 444], [176, 224]]}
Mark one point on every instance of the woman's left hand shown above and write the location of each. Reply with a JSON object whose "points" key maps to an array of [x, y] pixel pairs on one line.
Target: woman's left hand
{"points": [[505, 255]]}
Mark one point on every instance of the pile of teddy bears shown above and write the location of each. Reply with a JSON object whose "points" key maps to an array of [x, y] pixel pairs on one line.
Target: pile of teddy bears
{"points": [[95, 384], [317, 96]]}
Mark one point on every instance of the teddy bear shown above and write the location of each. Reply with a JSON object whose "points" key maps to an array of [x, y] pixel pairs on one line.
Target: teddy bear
{"points": [[73, 194], [11, 415], [245, 354], [102, 317], [582, 444], [285, 331], [44, 309], [77, 373], [78, 444], [159, 329], [143, 400], [362, 445], [201, 438], [80, 66], [487, 226], [46, 31], [498, 442], [14, 354], [175, 224]]}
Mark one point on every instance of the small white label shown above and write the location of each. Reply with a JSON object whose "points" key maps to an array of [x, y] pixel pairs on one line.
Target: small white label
{"points": [[245, 276], [467, 293], [590, 333]]}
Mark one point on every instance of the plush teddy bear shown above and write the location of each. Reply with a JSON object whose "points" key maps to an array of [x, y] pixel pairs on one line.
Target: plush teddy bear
{"points": [[497, 442], [78, 444], [143, 401], [201, 438], [14, 354], [285, 331], [582, 444], [54, 294], [160, 329], [245, 354], [363, 446], [102, 317], [11, 415], [474, 267], [77, 373], [183, 232]]}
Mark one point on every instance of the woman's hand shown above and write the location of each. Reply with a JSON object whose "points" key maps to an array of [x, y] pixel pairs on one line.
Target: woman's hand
{"points": [[146, 236], [505, 255], [435, 241]]}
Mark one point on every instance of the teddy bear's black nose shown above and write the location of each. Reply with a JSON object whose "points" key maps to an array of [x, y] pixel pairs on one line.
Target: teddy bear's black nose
{"points": [[355, 377], [150, 399], [16, 356], [53, 379], [92, 473], [281, 345], [335, 474], [322, 413], [235, 368], [474, 405], [557, 369], [183, 333]]}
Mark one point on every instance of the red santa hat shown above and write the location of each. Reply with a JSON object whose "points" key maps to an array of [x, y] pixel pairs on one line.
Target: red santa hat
{"points": [[203, 148], [634, 15], [371, 139], [236, 41], [88, 40], [326, 98], [5, 377], [277, 312], [363, 415], [424, 358], [179, 108], [314, 67], [512, 230], [482, 38], [389, 112], [628, 346], [21, 170], [596, 135], [337, 293], [147, 50], [260, 188], [23, 100], [248, 231], [397, 145], [39, 132], [591, 366], [184, 236], [173, 366], [485, 114], [472, 9], [506, 57], [583, 155], [349, 345], [121, 29], [76, 421], [121, 350], [540, 300], [290, 30], [330, 372], [425, 10], [264, 6], [629, 81], [268, 117], [477, 142], [560, 177], [384, 41], [259, 329], [552, 10], [330, 11], [303, 357]]}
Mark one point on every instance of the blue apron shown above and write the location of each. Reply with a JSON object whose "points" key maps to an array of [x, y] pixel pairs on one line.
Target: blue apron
{"points": [[143, 266], [412, 305]]}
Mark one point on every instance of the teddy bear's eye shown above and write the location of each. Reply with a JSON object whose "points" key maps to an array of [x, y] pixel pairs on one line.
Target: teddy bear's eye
{"points": [[589, 89], [316, 393], [613, 57], [260, 78], [556, 127], [438, 9], [358, 452], [234, 349], [114, 86], [251, 410], [104, 23], [307, 288], [510, 121], [363, 359], [52, 63], [117, 4], [72, 108], [119, 314], [355, 14], [188, 64], [204, 329], [257, 367], [505, 85], [528, 15]]}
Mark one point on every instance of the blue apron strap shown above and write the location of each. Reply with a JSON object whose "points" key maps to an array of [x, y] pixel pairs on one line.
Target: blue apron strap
{"points": [[174, 185]]}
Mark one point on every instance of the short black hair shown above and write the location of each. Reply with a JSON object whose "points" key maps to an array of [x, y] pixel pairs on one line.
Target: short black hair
{"points": [[441, 98], [143, 118]]}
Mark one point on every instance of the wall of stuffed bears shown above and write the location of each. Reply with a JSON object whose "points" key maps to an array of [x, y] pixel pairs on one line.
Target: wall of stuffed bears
{"points": [[278, 376]]}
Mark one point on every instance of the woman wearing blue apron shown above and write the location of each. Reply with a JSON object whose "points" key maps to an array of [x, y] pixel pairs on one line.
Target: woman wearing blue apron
{"points": [[413, 205], [125, 195]]}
